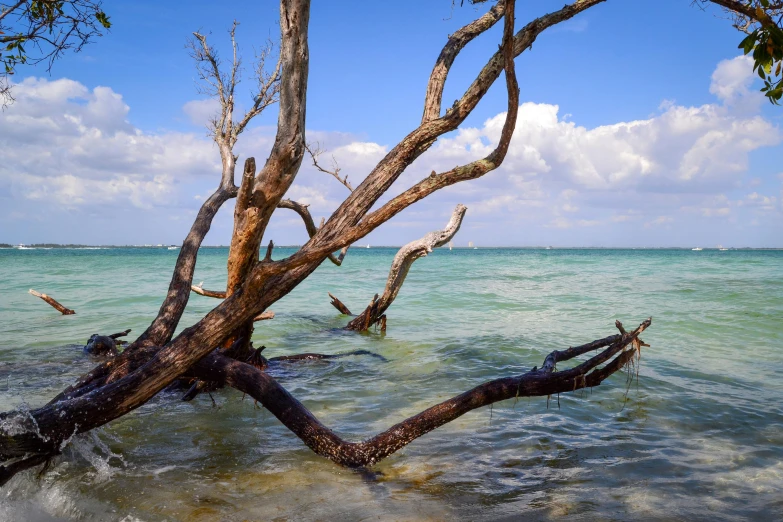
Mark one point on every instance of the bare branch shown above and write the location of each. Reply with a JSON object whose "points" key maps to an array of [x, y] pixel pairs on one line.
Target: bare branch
{"points": [[200, 290], [400, 266], [323, 441], [315, 151], [456, 43], [51, 301], [310, 225], [339, 305]]}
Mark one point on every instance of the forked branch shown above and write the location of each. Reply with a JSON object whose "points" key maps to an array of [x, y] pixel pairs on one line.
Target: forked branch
{"points": [[323, 441]]}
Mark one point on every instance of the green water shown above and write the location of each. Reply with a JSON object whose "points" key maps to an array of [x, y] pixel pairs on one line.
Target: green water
{"points": [[700, 436]]}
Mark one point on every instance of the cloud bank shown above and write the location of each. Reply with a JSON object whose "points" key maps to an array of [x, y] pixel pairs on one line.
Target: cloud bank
{"points": [[73, 150]]}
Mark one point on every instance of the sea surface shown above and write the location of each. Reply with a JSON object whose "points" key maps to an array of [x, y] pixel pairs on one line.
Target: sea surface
{"points": [[699, 436]]}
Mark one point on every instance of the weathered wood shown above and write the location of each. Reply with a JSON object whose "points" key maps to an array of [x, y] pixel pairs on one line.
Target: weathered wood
{"points": [[265, 316], [304, 213], [120, 334], [399, 270], [52, 302], [323, 441], [200, 290], [339, 305], [101, 345], [156, 359]]}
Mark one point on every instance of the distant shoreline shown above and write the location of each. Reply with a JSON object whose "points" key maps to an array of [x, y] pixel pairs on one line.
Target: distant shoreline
{"points": [[41, 246]]}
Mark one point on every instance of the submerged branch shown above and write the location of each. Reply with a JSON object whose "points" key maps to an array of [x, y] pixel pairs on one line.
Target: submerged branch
{"points": [[323, 441]]}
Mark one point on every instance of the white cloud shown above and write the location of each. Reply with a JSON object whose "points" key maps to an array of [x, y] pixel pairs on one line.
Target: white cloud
{"points": [[200, 112], [73, 146]]}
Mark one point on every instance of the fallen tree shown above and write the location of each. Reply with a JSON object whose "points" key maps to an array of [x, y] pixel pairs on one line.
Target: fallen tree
{"points": [[217, 349]]}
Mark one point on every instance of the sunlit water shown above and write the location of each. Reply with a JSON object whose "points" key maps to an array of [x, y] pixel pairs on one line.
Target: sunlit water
{"points": [[699, 437]]}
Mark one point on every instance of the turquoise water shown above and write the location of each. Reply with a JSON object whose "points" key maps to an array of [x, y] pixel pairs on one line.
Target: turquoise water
{"points": [[699, 437]]}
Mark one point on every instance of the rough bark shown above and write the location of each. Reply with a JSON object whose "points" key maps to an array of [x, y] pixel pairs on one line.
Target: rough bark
{"points": [[323, 441], [400, 266], [312, 230], [52, 302]]}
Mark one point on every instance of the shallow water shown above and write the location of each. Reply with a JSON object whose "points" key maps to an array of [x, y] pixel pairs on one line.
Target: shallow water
{"points": [[699, 437]]}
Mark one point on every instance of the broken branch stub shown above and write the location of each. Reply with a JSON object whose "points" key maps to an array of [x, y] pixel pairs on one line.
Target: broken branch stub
{"points": [[51, 301], [339, 305]]}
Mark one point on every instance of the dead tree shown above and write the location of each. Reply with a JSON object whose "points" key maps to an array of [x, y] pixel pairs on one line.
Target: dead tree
{"points": [[157, 358]]}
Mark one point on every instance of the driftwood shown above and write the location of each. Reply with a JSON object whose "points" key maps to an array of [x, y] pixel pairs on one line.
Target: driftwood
{"points": [[403, 260], [339, 305], [200, 290], [51, 301], [323, 441]]}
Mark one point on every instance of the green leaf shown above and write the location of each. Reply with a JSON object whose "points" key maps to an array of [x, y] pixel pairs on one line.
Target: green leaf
{"points": [[748, 43], [103, 19]]}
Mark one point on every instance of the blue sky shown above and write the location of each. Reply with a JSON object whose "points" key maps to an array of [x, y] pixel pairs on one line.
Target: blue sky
{"points": [[640, 126]]}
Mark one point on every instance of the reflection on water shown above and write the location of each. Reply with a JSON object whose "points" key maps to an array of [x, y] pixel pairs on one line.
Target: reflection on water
{"points": [[700, 436]]}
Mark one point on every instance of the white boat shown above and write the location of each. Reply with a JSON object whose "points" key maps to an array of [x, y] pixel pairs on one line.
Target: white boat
{"points": [[697, 249], [451, 245], [173, 248], [721, 248], [368, 245]]}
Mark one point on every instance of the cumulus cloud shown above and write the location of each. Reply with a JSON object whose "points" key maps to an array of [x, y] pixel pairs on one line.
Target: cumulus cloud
{"points": [[72, 146]]}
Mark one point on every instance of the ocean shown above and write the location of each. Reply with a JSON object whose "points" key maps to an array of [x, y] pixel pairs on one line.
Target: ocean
{"points": [[699, 435]]}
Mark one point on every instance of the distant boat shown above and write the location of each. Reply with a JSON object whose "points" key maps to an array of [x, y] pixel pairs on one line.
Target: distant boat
{"points": [[470, 244], [451, 245], [697, 249], [548, 248], [173, 248], [720, 247], [368, 245]]}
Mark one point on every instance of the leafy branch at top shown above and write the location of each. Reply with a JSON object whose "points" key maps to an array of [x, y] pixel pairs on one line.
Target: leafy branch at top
{"points": [[34, 31]]}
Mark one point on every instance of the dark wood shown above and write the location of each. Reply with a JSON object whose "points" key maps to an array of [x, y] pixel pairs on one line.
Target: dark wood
{"points": [[323, 441], [339, 305], [158, 358]]}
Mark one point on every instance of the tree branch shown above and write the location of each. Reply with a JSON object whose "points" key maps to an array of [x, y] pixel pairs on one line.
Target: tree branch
{"points": [[335, 172], [297, 418], [310, 226], [400, 266]]}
